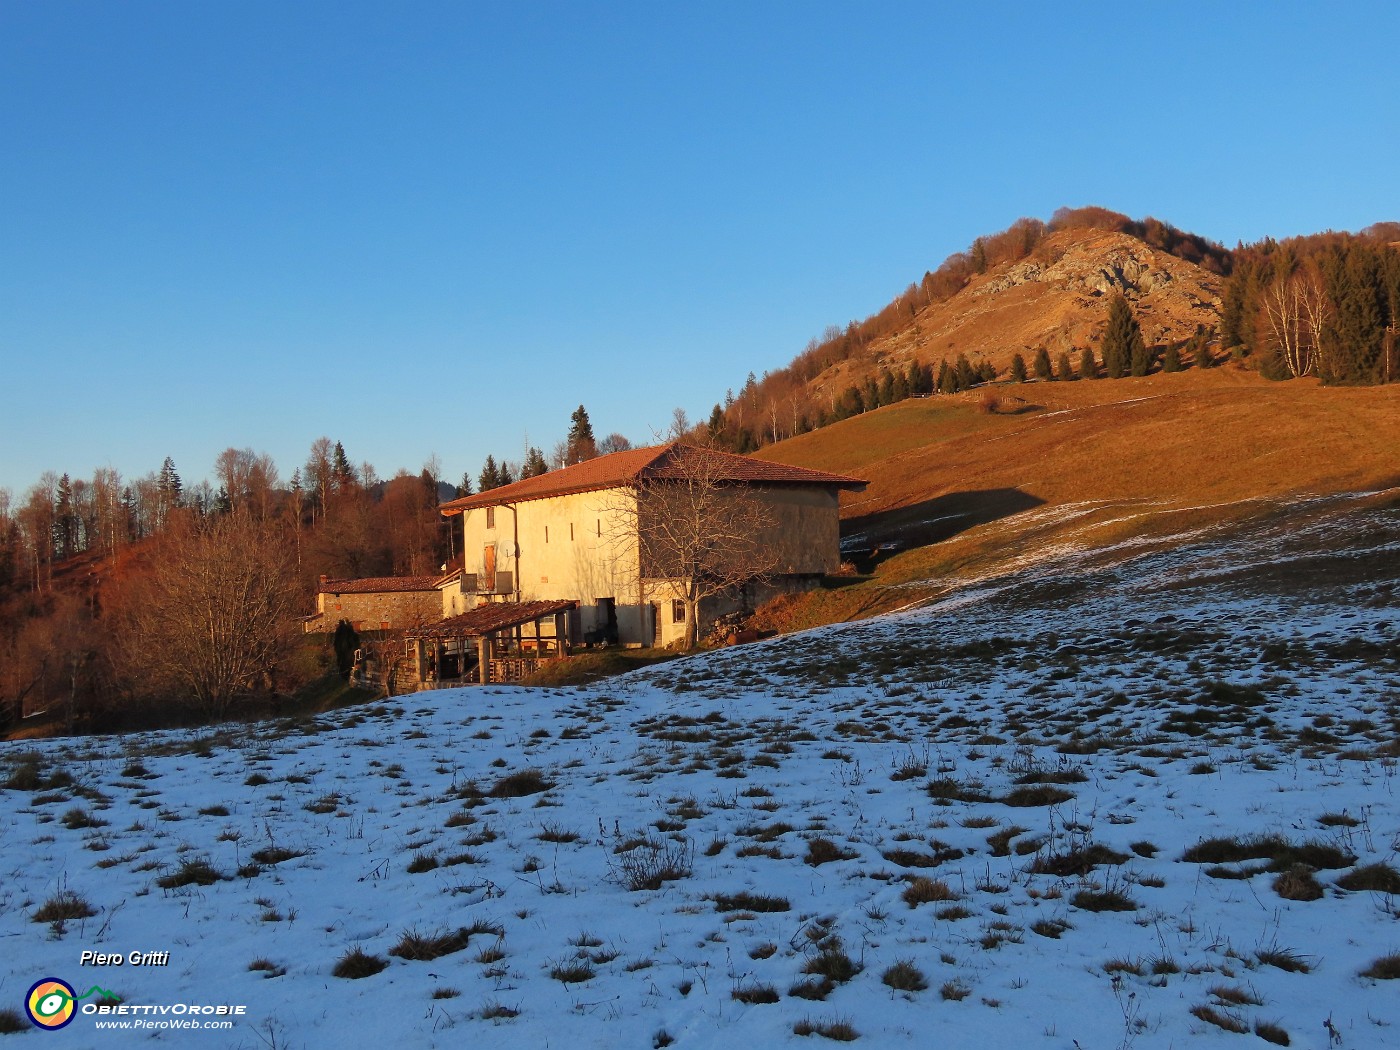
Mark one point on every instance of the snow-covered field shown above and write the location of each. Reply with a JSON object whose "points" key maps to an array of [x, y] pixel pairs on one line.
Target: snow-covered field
{"points": [[965, 825]]}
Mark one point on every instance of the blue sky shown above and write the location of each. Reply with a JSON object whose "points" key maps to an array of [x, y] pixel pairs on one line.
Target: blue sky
{"points": [[438, 227]]}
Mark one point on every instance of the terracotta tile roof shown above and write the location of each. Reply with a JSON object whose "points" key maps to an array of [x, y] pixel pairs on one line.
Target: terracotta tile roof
{"points": [[658, 462], [378, 585], [493, 616]]}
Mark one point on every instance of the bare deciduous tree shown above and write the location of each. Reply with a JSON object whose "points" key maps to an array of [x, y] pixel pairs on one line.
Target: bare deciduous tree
{"points": [[698, 530], [212, 622]]}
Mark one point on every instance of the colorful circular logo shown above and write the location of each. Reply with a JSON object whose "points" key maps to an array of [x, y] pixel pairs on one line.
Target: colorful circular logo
{"points": [[50, 1003]]}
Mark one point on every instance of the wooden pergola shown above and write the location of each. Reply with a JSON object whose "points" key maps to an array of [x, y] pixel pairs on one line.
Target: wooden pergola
{"points": [[509, 640]]}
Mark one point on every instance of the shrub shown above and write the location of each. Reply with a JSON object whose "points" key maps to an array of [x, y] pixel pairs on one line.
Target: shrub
{"points": [[357, 963], [904, 976]]}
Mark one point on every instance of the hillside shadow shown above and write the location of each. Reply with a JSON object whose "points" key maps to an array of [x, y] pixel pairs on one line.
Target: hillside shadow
{"points": [[871, 538]]}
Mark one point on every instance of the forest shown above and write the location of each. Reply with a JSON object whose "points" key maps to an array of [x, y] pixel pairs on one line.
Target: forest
{"points": [[133, 600]]}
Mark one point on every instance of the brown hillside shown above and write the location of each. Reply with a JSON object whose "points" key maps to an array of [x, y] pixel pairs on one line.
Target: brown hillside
{"points": [[1057, 298], [957, 493]]}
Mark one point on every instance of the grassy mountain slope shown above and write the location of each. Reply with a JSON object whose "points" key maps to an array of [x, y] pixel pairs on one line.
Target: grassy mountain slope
{"points": [[959, 493]]}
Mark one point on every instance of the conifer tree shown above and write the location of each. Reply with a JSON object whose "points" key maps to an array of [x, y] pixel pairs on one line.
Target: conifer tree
{"points": [[986, 372], [1018, 369], [965, 376], [1088, 367], [534, 464], [1042, 364], [1122, 340], [1171, 359], [947, 380], [580, 443], [490, 477], [1201, 354], [465, 488], [342, 473], [1064, 371], [886, 394]]}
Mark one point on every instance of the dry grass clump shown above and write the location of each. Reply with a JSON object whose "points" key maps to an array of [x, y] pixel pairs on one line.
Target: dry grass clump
{"points": [[64, 906], [1386, 968], [904, 976], [755, 994], [1271, 1032], [954, 991], [11, 1023], [357, 964], [824, 851], [1107, 899], [1379, 878], [1221, 1018], [1285, 959], [1279, 851], [652, 863], [418, 947], [276, 855], [520, 784], [1036, 795], [494, 1010], [836, 1028], [922, 890], [745, 901], [193, 871], [1076, 861], [572, 971], [832, 964], [1298, 884]]}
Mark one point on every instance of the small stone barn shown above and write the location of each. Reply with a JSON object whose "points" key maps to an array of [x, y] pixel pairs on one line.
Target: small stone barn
{"points": [[379, 603]]}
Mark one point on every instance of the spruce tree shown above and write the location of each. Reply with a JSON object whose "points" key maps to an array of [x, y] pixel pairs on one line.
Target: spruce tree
{"points": [[1201, 355], [580, 443], [1171, 359], [946, 379], [1122, 347], [1018, 369], [965, 376], [490, 477], [1064, 371], [1088, 367], [534, 464], [886, 388], [342, 472], [465, 488], [1042, 364]]}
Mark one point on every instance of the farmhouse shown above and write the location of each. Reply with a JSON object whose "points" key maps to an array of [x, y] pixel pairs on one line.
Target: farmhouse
{"points": [[607, 535]]}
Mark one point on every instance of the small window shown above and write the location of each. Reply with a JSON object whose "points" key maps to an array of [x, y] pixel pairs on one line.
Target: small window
{"points": [[546, 534], [490, 517], [571, 532], [600, 526], [677, 610]]}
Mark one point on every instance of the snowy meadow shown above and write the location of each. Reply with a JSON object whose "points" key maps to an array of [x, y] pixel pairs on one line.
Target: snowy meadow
{"points": [[1140, 799]]}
